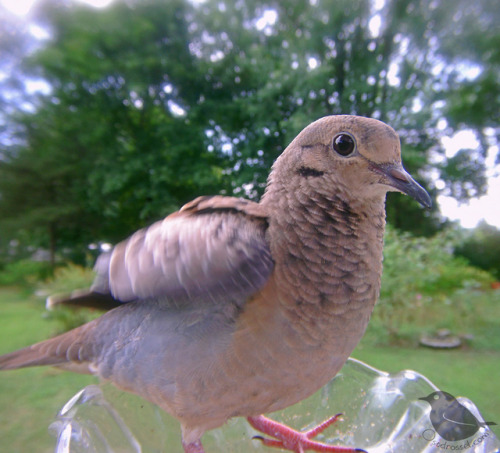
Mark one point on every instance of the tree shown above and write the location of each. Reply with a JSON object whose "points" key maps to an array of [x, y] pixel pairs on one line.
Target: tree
{"points": [[39, 185], [106, 130], [154, 103], [481, 248], [329, 57]]}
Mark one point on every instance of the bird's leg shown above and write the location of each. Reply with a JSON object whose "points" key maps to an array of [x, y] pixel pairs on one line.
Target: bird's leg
{"points": [[193, 447], [289, 439]]}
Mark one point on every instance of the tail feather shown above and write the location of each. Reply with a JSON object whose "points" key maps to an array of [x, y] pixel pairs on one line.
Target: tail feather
{"points": [[83, 298], [26, 357], [69, 347]]}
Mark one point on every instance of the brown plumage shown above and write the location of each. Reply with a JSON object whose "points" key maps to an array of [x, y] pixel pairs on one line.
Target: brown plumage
{"points": [[235, 308]]}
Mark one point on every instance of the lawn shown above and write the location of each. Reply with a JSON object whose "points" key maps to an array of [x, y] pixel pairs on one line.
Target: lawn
{"points": [[30, 398]]}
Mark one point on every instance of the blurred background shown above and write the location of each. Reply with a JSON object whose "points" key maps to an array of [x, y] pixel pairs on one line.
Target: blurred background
{"points": [[115, 113]]}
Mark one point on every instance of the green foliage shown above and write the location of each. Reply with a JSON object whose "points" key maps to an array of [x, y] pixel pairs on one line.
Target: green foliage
{"points": [[425, 286], [25, 272], [39, 184], [154, 103], [65, 280], [482, 249]]}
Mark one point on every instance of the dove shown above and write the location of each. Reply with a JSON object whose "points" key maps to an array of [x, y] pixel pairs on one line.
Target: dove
{"points": [[232, 308], [450, 419]]}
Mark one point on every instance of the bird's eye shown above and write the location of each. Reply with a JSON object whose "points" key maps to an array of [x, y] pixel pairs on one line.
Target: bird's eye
{"points": [[344, 144]]}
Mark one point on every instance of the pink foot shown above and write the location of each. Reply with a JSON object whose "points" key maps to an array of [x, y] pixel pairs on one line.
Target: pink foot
{"points": [[289, 439], [193, 447]]}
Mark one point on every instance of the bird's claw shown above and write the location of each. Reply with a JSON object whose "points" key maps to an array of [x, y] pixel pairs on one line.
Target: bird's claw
{"points": [[269, 442], [289, 439]]}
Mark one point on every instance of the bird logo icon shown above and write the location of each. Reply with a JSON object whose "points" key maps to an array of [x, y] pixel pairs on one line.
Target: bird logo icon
{"points": [[450, 419]]}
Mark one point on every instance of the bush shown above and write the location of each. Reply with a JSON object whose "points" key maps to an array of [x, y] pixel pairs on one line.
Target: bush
{"points": [[24, 273], [64, 281], [482, 248], [425, 286]]}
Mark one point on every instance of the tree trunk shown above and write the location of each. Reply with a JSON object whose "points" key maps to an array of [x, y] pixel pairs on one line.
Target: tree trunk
{"points": [[52, 245]]}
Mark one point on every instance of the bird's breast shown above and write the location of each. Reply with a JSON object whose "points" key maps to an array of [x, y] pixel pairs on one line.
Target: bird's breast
{"points": [[315, 308], [327, 284]]}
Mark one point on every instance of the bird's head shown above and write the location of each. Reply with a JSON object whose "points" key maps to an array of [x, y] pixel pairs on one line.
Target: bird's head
{"points": [[440, 398], [355, 157]]}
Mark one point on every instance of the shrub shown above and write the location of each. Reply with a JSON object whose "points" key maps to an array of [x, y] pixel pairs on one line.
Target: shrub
{"points": [[25, 272], [64, 281], [424, 285], [482, 248]]}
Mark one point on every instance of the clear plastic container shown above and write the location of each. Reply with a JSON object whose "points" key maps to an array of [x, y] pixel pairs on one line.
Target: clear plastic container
{"points": [[382, 413]]}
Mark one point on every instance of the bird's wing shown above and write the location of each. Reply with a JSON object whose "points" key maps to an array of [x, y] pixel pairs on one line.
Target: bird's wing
{"points": [[212, 247], [460, 415]]}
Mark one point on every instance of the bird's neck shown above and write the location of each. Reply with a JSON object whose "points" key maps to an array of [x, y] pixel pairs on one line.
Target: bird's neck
{"points": [[328, 257]]}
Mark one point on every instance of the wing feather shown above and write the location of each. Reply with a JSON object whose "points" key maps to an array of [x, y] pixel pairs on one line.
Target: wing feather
{"points": [[212, 247]]}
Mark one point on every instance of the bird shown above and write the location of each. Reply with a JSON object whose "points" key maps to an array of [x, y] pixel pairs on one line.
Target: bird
{"points": [[450, 419], [235, 308]]}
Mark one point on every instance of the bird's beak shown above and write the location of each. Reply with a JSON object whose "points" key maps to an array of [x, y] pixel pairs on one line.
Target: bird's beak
{"points": [[396, 176], [427, 399]]}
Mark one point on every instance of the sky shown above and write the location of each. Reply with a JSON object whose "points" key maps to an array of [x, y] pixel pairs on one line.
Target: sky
{"points": [[23, 7], [467, 214], [486, 207]]}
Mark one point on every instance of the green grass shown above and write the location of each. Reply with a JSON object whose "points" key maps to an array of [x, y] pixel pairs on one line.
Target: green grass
{"points": [[473, 374], [30, 398]]}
